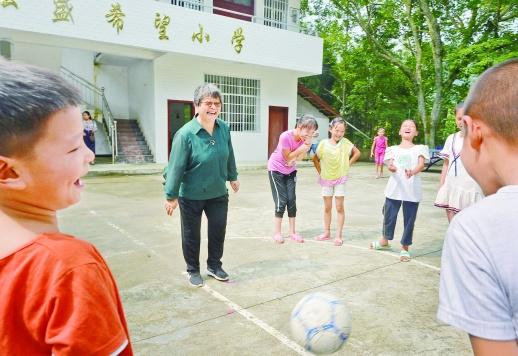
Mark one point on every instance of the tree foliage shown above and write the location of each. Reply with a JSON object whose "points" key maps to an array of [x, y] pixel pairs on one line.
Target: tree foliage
{"points": [[385, 61]]}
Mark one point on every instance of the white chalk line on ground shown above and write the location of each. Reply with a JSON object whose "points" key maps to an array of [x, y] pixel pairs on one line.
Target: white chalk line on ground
{"points": [[236, 307], [387, 253], [129, 236], [413, 260], [260, 323]]}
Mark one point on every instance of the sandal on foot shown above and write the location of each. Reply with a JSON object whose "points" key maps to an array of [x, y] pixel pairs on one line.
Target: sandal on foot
{"points": [[297, 238], [322, 237], [404, 256], [375, 245], [339, 242], [278, 238]]}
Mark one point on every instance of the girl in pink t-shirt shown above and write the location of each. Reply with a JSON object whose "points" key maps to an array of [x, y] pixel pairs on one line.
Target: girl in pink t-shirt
{"points": [[379, 146], [293, 145]]}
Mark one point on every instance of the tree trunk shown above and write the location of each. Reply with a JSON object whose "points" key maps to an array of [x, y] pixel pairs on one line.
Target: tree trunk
{"points": [[431, 142], [435, 35], [421, 108], [418, 80]]}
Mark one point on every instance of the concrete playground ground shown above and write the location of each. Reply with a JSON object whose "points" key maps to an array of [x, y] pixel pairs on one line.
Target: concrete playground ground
{"points": [[393, 304]]}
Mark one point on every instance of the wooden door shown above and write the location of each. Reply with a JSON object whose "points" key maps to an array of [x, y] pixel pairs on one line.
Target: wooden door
{"points": [[277, 124], [178, 114]]}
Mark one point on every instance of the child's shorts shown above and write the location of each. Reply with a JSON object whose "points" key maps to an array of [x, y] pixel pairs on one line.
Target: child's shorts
{"points": [[337, 190], [379, 156]]}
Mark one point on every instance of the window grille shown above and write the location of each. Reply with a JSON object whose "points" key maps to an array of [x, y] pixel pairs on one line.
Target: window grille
{"points": [[240, 108], [276, 13]]}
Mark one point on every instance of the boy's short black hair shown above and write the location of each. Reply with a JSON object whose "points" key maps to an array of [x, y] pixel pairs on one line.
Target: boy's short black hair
{"points": [[29, 95], [493, 99]]}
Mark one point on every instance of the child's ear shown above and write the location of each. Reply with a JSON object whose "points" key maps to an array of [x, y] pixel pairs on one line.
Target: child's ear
{"points": [[473, 132], [9, 177]]}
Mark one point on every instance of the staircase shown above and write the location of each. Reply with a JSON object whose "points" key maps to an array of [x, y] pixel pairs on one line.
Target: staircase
{"points": [[93, 98], [131, 143]]}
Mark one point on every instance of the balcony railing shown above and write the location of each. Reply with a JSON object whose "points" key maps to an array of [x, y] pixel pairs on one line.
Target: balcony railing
{"points": [[274, 21]]}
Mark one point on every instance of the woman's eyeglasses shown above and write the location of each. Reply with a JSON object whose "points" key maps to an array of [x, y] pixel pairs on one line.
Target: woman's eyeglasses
{"points": [[211, 103]]}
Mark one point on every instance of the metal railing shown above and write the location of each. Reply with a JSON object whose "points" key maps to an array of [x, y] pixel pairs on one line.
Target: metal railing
{"points": [[93, 96], [272, 22]]}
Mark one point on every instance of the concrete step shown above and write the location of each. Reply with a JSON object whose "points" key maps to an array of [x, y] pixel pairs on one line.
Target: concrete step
{"points": [[135, 159], [132, 140], [132, 143]]}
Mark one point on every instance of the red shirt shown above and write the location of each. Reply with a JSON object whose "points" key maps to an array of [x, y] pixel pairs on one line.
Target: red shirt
{"points": [[57, 296]]}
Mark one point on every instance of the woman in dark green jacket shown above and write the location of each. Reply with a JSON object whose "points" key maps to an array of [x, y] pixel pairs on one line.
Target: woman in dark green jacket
{"points": [[201, 162]]}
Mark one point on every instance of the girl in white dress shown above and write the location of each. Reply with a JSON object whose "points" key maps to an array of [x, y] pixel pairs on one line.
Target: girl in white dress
{"points": [[458, 190]]}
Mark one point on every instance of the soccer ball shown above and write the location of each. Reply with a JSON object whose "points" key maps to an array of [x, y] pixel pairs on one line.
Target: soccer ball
{"points": [[320, 323]]}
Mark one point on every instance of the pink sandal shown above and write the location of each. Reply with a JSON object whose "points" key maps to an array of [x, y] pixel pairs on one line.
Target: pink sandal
{"points": [[278, 238], [322, 237], [297, 238], [339, 242]]}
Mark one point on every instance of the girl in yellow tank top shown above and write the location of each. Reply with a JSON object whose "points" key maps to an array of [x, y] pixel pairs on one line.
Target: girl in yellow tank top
{"points": [[332, 161]]}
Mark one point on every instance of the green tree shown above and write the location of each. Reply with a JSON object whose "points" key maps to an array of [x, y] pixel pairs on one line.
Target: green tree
{"points": [[426, 53]]}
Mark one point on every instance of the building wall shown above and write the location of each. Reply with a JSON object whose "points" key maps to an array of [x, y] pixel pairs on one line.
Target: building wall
{"points": [[114, 80], [80, 62], [141, 87], [47, 56], [177, 76], [290, 50]]}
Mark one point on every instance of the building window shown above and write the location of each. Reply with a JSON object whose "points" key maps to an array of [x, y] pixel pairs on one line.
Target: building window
{"points": [[240, 101], [275, 13]]}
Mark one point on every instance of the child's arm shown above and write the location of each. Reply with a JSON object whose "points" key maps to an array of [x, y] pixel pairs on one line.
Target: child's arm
{"points": [[316, 163], [444, 170], [298, 154], [416, 169], [355, 156], [373, 146], [484, 347], [302, 155], [390, 166]]}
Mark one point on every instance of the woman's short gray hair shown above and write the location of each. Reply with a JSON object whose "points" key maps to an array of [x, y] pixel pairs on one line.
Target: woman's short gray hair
{"points": [[206, 90]]}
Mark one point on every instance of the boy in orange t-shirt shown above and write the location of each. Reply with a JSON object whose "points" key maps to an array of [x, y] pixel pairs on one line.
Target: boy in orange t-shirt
{"points": [[57, 295]]}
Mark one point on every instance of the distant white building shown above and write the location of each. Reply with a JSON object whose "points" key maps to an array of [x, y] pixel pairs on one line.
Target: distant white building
{"points": [[150, 55]]}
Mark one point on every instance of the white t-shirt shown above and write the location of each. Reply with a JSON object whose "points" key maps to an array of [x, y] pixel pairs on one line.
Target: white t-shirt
{"points": [[89, 125], [451, 151], [479, 273], [399, 187]]}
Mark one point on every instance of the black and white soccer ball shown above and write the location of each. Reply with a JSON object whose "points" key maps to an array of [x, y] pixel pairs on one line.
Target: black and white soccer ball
{"points": [[321, 323]]}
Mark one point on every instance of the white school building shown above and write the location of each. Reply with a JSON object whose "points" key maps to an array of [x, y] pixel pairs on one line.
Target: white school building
{"points": [[139, 61]]}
